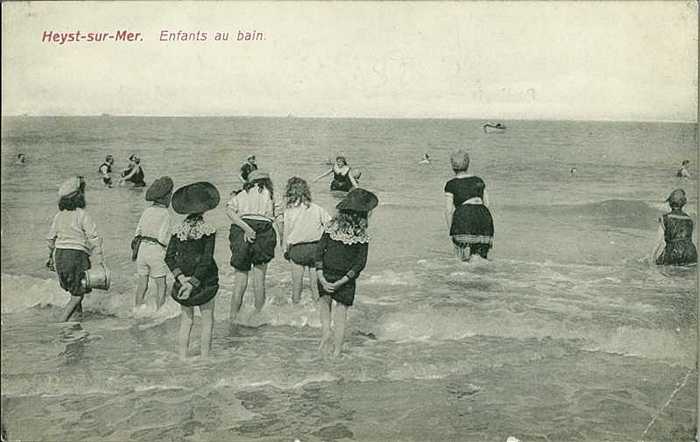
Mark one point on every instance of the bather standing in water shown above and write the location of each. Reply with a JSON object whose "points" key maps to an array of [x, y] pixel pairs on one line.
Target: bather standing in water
{"points": [[343, 180], [674, 239], [468, 219]]}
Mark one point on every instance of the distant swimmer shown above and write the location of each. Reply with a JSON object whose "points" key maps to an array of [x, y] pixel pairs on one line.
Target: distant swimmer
{"points": [[683, 171], [573, 171], [105, 170], [21, 159], [425, 160], [342, 178], [133, 173], [493, 127]]}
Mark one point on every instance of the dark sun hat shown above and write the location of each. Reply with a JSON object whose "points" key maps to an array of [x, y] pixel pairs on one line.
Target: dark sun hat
{"points": [[195, 198], [159, 188], [358, 200]]}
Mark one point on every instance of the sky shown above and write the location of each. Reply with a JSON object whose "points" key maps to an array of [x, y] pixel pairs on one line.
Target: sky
{"points": [[509, 60]]}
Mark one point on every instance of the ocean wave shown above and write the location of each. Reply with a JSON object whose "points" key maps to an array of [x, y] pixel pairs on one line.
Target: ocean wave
{"points": [[623, 213], [430, 325]]}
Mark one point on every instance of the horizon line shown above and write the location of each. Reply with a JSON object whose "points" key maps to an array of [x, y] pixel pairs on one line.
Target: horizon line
{"points": [[336, 117]]}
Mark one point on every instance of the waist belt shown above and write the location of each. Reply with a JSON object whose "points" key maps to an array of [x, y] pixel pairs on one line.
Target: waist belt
{"points": [[153, 240]]}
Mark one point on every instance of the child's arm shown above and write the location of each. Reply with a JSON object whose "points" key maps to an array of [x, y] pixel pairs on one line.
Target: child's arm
{"points": [[323, 175], [449, 209], [660, 242], [232, 212], [51, 239], [320, 252], [357, 266]]}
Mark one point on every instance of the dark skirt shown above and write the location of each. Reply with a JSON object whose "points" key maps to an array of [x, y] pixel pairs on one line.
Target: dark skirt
{"points": [[304, 254], [679, 252], [70, 267], [343, 185], [472, 224], [199, 295], [345, 294], [245, 255]]}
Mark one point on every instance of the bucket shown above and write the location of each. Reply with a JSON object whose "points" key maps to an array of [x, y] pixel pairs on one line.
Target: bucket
{"points": [[98, 277]]}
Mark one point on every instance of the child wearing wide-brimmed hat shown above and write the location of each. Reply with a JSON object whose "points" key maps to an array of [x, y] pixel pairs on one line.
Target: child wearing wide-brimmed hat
{"points": [[253, 238], [153, 232], [304, 223], [73, 238], [340, 257], [190, 257], [674, 239]]}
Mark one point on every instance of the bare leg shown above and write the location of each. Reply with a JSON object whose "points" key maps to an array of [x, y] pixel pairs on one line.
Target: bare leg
{"points": [[186, 319], [240, 284], [313, 277], [73, 306], [259, 285], [339, 319], [207, 311], [141, 289], [324, 306], [297, 282], [160, 291]]}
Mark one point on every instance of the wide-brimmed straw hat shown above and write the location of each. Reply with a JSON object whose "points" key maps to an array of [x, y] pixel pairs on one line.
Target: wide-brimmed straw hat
{"points": [[677, 198], [69, 186], [159, 188], [358, 200], [258, 175], [195, 198]]}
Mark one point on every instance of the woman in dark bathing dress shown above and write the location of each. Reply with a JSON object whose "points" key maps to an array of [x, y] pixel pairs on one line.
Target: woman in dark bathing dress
{"points": [[674, 243], [468, 219], [343, 180]]}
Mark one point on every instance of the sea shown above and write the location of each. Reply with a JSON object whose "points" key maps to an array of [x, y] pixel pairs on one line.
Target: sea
{"points": [[566, 333]]}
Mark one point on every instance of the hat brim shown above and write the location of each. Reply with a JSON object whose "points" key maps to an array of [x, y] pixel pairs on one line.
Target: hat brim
{"points": [[195, 198]]}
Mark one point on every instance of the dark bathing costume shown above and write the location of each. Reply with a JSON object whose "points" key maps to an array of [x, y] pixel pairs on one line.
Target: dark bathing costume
{"points": [[472, 224], [138, 177], [678, 234], [341, 181]]}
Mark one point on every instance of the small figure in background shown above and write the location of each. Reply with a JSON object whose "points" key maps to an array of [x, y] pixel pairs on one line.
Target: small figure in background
{"points": [[683, 171], [105, 171], [343, 180], [674, 238], [21, 159], [573, 171], [248, 166], [133, 173]]}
